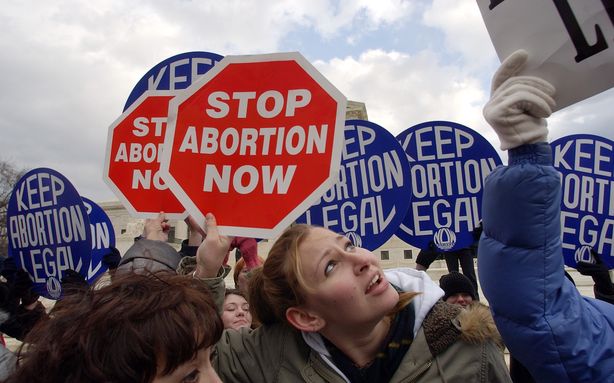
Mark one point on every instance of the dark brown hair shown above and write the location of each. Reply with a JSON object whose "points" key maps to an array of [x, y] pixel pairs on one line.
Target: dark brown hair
{"points": [[126, 331], [234, 292]]}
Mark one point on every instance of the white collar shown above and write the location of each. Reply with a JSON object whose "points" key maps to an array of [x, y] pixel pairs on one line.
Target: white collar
{"points": [[405, 279]]}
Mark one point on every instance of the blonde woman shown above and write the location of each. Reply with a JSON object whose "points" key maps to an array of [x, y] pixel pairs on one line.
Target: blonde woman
{"points": [[330, 313]]}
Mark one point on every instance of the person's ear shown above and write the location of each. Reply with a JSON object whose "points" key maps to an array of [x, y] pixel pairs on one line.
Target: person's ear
{"points": [[303, 320]]}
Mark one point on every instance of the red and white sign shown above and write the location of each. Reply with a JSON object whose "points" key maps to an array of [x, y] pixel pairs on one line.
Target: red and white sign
{"points": [[132, 163], [255, 141]]}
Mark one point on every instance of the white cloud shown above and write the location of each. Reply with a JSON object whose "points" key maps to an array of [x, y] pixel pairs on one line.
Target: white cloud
{"points": [[401, 90], [464, 30], [68, 66], [591, 116]]}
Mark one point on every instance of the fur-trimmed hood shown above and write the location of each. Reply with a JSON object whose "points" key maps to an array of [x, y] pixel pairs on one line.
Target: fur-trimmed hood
{"points": [[478, 326], [448, 323]]}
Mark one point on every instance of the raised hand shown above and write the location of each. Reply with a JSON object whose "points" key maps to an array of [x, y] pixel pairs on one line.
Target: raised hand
{"points": [[212, 251], [195, 231], [519, 105], [157, 229]]}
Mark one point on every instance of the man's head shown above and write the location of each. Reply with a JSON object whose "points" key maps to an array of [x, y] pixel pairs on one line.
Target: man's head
{"points": [[149, 256], [457, 288]]}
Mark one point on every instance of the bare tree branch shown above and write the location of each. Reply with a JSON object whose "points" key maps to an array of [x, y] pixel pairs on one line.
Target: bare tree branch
{"points": [[9, 175]]}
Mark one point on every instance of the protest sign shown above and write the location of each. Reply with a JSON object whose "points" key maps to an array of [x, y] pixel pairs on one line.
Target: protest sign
{"points": [[134, 143], [448, 165], [174, 73], [103, 238], [570, 44], [48, 230], [255, 140], [132, 162], [370, 198], [586, 163]]}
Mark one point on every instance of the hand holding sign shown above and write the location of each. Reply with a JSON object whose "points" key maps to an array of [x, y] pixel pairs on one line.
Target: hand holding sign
{"points": [[157, 228], [519, 105], [212, 251], [196, 233]]}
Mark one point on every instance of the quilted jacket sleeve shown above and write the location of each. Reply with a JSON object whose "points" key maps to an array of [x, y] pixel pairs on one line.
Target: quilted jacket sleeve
{"points": [[556, 333]]}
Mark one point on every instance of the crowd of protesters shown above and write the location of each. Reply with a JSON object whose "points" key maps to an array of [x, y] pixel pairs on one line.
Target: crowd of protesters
{"points": [[319, 309]]}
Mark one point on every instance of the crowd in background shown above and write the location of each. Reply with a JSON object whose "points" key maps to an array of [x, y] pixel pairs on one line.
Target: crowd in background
{"points": [[319, 309]]}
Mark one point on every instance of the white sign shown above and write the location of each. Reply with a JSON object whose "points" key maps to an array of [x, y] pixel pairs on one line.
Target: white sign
{"points": [[570, 43]]}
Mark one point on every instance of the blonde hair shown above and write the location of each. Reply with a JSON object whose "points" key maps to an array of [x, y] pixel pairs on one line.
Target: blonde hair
{"points": [[239, 266], [279, 284]]}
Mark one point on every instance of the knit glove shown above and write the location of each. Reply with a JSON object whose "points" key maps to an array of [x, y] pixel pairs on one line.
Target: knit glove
{"points": [[599, 272], [519, 105]]}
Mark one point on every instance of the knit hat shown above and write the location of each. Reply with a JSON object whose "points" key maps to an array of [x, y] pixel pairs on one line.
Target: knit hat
{"points": [[455, 283]]}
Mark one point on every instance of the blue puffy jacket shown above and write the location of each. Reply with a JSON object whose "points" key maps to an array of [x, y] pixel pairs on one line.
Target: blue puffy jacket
{"points": [[559, 335]]}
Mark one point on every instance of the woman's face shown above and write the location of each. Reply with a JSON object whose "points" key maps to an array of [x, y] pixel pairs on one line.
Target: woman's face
{"points": [[349, 284], [197, 370], [236, 312]]}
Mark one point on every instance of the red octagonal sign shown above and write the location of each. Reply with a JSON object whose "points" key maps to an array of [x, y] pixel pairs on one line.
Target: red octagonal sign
{"points": [[132, 163], [256, 141]]}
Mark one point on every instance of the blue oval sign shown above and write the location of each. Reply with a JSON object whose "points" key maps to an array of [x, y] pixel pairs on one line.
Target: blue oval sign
{"points": [[448, 165], [48, 230], [370, 199], [174, 73], [586, 163], [103, 238]]}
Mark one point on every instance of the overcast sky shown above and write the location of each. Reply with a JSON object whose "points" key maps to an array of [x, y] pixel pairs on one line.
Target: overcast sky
{"points": [[70, 65]]}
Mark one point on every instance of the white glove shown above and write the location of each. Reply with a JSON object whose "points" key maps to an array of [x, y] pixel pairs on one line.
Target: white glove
{"points": [[518, 105]]}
